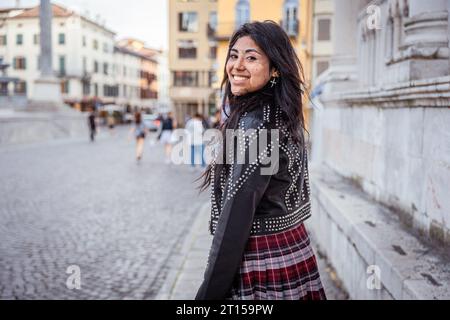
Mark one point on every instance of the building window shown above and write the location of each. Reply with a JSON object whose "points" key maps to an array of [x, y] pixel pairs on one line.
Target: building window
{"points": [[212, 50], [124, 71], [187, 22], [187, 49], [212, 78], [242, 12], [61, 38], [324, 30], [3, 41], [321, 66], [95, 67], [65, 86], [95, 44], [185, 78], [19, 63], [84, 41], [110, 91], [95, 89], [212, 24], [19, 39], [290, 20], [105, 68], [105, 47], [20, 87], [62, 65], [36, 38], [86, 88], [84, 65]]}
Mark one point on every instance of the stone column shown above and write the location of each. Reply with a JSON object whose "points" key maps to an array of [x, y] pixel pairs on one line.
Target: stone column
{"points": [[47, 88], [343, 62], [426, 48]]}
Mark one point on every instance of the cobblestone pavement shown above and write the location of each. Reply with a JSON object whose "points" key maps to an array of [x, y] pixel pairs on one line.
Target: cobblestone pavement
{"points": [[91, 205]]}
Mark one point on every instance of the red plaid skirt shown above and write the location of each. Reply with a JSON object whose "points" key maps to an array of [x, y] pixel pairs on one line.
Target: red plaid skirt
{"points": [[279, 266]]}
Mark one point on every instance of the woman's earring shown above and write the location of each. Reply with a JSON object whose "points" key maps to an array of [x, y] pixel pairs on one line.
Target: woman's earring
{"points": [[273, 81]]}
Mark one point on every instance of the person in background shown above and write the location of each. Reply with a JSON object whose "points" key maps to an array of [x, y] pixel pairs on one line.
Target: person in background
{"points": [[195, 130], [140, 132], [167, 126], [92, 125]]}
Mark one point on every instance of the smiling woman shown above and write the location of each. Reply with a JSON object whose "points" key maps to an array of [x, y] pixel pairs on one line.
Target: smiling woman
{"points": [[261, 249]]}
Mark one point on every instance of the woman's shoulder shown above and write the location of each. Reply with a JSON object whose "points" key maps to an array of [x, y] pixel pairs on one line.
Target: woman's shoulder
{"points": [[266, 117]]}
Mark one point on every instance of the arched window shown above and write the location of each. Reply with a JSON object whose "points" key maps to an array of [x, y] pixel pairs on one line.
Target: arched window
{"points": [[290, 14], [242, 12]]}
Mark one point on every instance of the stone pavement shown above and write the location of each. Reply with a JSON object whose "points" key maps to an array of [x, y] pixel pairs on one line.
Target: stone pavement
{"points": [[73, 203], [189, 261]]}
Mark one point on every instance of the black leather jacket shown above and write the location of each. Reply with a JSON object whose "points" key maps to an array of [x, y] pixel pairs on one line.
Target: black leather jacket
{"points": [[246, 202]]}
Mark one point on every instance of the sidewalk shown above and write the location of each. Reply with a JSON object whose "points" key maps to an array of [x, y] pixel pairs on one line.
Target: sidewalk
{"points": [[189, 262]]}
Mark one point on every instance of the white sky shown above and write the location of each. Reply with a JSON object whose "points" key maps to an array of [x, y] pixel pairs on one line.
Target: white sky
{"points": [[145, 20]]}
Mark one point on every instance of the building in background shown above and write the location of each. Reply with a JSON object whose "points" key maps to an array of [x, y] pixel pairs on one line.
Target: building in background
{"points": [[89, 64], [322, 44], [293, 15], [192, 57]]}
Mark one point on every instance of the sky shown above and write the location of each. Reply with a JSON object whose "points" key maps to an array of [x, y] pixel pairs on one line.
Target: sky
{"points": [[145, 20]]}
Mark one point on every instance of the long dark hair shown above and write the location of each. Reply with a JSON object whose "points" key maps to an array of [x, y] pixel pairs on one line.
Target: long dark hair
{"points": [[287, 93]]}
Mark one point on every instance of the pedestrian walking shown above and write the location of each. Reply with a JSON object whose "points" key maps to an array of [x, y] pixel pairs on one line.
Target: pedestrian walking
{"points": [[140, 131], [165, 136], [261, 249], [92, 125], [195, 131]]}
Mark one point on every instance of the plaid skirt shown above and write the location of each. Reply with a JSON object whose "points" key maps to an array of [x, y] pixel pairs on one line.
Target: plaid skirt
{"points": [[279, 266]]}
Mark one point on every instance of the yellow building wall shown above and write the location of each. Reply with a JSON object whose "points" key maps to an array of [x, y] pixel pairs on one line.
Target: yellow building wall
{"points": [[271, 10]]}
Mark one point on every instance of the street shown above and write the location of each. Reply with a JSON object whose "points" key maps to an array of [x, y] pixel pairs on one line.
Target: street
{"points": [[90, 205]]}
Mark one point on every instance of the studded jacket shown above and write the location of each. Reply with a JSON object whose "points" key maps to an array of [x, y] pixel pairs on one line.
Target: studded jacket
{"points": [[245, 202]]}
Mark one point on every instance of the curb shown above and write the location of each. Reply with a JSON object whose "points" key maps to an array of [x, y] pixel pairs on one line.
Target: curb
{"points": [[188, 262]]}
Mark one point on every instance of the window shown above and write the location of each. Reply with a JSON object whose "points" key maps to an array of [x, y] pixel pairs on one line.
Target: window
{"points": [[95, 89], [290, 20], [65, 86], [95, 44], [321, 66], [105, 68], [62, 65], [61, 38], [212, 24], [3, 41], [187, 22], [212, 77], [84, 65], [84, 41], [95, 66], [19, 63], [19, 39], [242, 12], [20, 87], [36, 38], [323, 29], [86, 88], [105, 47], [185, 78], [110, 91], [187, 49], [212, 50], [124, 71]]}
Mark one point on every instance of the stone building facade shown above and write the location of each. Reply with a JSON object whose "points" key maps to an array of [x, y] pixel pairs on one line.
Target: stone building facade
{"points": [[381, 148]]}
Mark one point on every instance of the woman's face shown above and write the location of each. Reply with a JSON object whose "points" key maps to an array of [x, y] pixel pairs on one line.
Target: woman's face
{"points": [[247, 67]]}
